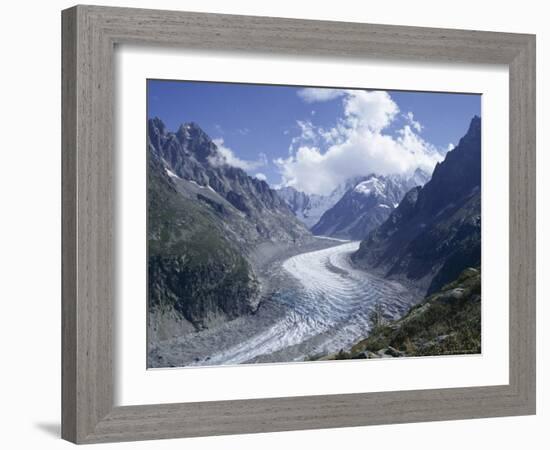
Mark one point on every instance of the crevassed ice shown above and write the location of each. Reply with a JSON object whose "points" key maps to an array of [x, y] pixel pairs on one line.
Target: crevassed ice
{"points": [[326, 310]]}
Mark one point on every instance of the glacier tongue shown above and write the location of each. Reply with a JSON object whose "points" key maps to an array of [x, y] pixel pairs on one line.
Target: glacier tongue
{"points": [[325, 306]]}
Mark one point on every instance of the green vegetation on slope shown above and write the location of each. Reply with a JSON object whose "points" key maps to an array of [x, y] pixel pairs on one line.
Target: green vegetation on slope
{"points": [[448, 322], [192, 267]]}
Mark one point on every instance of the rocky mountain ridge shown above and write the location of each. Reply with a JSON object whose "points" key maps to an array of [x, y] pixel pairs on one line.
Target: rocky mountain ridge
{"points": [[252, 211]]}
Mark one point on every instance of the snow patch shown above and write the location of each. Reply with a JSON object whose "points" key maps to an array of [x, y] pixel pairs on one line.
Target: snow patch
{"points": [[171, 174], [330, 238], [196, 184]]}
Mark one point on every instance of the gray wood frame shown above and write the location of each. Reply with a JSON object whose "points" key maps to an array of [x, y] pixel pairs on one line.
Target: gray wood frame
{"points": [[89, 36]]}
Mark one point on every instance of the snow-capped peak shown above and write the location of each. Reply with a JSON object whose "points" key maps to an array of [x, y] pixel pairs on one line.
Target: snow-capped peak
{"points": [[372, 186]]}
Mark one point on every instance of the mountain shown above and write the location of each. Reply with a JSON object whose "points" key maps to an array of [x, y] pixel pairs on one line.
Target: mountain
{"points": [[251, 211], [366, 205], [204, 221], [309, 208], [435, 232], [194, 270]]}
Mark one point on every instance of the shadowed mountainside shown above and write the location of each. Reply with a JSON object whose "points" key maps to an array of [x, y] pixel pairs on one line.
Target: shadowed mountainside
{"points": [[435, 232]]}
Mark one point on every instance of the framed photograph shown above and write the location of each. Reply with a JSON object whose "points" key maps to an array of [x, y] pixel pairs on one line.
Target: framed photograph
{"points": [[277, 224]]}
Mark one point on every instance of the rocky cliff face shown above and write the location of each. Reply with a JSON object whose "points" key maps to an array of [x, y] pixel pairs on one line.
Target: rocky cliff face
{"points": [[192, 267], [435, 232], [367, 204]]}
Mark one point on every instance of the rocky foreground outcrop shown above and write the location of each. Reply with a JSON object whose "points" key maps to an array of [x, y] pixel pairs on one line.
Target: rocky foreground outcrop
{"points": [[447, 322]]}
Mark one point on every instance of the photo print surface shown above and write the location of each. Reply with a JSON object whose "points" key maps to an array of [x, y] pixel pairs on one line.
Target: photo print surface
{"points": [[296, 224]]}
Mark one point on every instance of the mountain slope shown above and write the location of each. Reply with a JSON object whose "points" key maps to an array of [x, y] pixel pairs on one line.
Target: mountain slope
{"points": [[366, 205], [435, 232], [193, 268], [252, 212]]}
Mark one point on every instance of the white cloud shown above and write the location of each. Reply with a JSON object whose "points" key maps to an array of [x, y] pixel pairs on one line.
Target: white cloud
{"points": [[261, 176], [312, 95], [320, 159], [409, 117], [374, 110], [307, 130], [226, 156]]}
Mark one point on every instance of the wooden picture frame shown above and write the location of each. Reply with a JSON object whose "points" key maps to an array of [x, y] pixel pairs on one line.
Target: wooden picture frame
{"points": [[89, 35]]}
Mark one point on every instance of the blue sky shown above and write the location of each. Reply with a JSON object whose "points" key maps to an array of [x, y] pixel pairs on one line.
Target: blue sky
{"points": [[291, 134]]}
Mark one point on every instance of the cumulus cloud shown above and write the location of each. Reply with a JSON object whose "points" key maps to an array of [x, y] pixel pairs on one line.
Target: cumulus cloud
{"points": [[320, 159], [261, 176], [372, 110], [226, 156], [312, 95]]}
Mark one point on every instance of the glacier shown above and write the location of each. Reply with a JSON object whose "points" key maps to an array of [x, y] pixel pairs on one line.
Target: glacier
{"points": [[322, 305]]}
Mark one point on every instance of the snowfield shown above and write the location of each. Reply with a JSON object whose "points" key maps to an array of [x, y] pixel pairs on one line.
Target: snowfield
{"points": [[371, 186], [323, 305]]}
